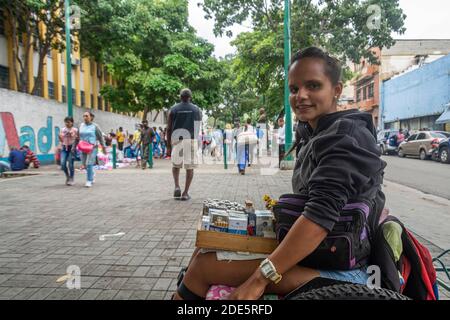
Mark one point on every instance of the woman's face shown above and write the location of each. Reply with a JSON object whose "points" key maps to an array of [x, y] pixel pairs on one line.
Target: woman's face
{"points": [[312, 95], [87, 117], [69, 124]]}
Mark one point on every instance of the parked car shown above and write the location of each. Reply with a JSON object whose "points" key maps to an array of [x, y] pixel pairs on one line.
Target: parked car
{"points": [[442, 151], [421, 144], [386, 142]]}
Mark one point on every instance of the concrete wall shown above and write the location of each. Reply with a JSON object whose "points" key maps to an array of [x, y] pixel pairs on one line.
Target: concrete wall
{"points": [[394, 65], [419, 93], [26, 119]]}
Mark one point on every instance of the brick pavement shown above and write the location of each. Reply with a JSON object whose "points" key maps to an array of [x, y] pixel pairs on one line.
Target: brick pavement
{"points": [[46, 227]]}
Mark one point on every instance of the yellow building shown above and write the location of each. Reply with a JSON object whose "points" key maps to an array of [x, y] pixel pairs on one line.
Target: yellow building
{"points": [[88, 77]]}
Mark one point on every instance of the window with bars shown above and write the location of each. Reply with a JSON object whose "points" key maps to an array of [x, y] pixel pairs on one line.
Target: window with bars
{"points": [[358, 95], [83, 99], [2, 22], [4, 77], [51, 90], [64, 94], [364, 93], [74, 97], [371, 90]]}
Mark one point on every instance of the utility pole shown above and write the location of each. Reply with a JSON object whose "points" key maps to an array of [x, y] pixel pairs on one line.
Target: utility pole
{"points": [[287, 60], [68, 60]]}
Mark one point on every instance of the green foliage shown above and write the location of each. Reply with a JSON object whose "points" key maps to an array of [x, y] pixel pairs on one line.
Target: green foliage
{"points": [[34, 25], [151, 51], [339, 26]]}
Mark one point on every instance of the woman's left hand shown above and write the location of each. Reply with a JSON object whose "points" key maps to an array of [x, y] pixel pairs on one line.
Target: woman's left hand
{"points": [[252, 289]]}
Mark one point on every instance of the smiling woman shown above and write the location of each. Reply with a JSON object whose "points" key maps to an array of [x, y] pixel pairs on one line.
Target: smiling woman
{"points": [[339, 163], [314, 84]]}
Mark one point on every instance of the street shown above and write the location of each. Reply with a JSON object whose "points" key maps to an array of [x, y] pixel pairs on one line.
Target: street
{"points": [[428, 176]]}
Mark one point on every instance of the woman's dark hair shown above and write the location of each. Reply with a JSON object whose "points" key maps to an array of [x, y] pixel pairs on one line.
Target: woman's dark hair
{"points": [[333, 67], [68, 119]]}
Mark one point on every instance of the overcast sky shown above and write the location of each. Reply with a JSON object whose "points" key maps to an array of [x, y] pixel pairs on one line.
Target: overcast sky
{"points": [[426, 19]]}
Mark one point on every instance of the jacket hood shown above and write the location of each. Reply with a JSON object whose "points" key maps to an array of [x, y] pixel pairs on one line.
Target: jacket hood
{"points": [[326, 121], [305, 132]]}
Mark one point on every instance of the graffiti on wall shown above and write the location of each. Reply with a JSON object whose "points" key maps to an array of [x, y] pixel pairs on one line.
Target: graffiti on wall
{"points": [[40, 140]]}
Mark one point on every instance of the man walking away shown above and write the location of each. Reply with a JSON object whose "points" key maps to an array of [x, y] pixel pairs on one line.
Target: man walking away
{"points": [[281, 141], [182, 132], [146, 142]]}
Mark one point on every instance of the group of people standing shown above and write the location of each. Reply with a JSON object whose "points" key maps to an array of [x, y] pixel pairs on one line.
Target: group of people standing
{"points": [[129, 144], [241, 143], [88, 139]]}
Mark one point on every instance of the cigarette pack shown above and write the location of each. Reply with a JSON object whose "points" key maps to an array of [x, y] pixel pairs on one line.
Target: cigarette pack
{"points": [[218, 220], [237, 223], [205, 223], [264, 222]]}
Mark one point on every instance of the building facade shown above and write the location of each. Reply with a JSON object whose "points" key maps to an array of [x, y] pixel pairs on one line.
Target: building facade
{"points": [[416, 99], [404, 56], [367, 87], [88, 77]]}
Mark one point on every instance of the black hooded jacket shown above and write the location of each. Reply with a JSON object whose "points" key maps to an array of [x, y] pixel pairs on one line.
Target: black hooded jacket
{"points": [[339, 162]]}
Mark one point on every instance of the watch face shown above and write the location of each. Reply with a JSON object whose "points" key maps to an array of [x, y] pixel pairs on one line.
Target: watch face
{"points": [[267, 270]]}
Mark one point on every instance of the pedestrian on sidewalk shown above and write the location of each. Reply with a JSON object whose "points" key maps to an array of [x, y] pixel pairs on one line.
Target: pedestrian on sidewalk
{"points": [[136, 140], [120, 138], [183, 129], [68, 137], [281, 141], [146, 142], [228, 136], [89, 138], [156, 144], [251, 145], [340, 162]]}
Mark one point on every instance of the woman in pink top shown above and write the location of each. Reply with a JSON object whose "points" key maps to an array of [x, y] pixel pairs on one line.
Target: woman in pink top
{"points": [[67, 138]]}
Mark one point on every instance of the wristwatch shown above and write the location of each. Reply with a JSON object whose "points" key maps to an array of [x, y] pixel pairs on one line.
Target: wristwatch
{"points": [[269, 272]]}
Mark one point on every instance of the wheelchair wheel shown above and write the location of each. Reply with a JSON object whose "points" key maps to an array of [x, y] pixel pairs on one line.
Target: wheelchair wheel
{"points": [[348, 292]]}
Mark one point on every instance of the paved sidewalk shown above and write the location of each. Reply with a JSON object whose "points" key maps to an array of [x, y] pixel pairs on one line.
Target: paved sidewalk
{"points": [[46, 227]]}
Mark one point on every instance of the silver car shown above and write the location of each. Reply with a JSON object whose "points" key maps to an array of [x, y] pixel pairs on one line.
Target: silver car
{"points": [[421, 144]]}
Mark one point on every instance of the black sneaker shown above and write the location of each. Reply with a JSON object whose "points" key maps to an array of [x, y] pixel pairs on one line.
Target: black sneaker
{"points": [[177, 194]]}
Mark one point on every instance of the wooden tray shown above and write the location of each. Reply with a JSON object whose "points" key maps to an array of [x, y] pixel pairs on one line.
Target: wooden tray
{"points": [[234, 242]]}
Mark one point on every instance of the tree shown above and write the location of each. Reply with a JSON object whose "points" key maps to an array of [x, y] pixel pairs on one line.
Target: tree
{"points": [[152, 53], [345, 28], [33, 25]]}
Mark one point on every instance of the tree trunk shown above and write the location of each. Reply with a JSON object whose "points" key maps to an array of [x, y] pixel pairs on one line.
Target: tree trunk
{"points": [[156, 116], [15, 49], [145, 115], [42, 57]]}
